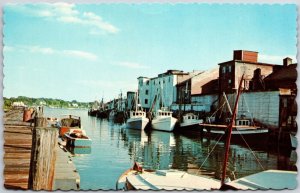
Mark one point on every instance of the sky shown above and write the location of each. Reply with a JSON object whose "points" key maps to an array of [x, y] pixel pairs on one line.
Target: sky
{"points": [[85, 52]]}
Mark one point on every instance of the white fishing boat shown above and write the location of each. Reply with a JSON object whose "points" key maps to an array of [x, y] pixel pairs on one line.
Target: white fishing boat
{"points": [[137, 178], [137, 120], [163, 120], [190, 120]]}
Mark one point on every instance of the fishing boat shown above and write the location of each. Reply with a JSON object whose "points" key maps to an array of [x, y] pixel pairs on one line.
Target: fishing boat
{"points": [[244, 127], [68, 122], [163, 120], [77, 138], [138, 178], [137, 118], [190, 122]]}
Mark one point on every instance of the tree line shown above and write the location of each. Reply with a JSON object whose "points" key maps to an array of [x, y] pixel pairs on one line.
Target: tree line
{"points": [[56, 103]]}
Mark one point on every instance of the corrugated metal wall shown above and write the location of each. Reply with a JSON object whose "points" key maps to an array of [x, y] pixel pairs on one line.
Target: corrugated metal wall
{"points": [[263, 106]]}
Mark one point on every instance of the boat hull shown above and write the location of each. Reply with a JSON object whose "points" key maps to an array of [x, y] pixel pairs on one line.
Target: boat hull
{"points": [[77, 142], [164, 123], [138, 123], [251, 136]]}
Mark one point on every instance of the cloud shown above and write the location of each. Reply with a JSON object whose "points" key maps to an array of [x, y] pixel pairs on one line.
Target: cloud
{"points": [[80, 54], [274, 59], [65, 13], [50, 51], [132, 65]]}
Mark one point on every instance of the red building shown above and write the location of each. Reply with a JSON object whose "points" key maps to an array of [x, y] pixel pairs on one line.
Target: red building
{"points": [[244, 62]]}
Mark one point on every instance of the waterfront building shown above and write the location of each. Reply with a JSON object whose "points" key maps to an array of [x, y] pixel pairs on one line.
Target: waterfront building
{"points": [[161, 89], [198, 92], [243, 62]]}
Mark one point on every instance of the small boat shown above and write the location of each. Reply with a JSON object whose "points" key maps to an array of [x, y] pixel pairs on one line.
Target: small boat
{"points": [[190, 122], [137, 178], [137, 120], [67, 123], [265, 180], [77, 138], [163, 120]]}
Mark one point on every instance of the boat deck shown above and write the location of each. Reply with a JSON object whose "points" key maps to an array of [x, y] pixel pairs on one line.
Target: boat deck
{"points": [[270, 179], [225, 126], [172, 180]]}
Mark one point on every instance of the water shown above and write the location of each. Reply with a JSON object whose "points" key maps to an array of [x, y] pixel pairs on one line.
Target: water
{"points": [[114, 150]]}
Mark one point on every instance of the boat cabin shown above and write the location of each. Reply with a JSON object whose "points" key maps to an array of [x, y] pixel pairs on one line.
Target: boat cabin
{"points": [[137, 114], [163, 113], [243, 122], [190, 116]]}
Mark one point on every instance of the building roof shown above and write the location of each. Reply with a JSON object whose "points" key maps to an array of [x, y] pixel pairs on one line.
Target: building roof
{"points": [[285, 73], [142, 77], [257, 63]]}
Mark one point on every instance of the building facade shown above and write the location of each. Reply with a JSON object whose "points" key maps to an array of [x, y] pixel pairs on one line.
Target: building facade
{"points": [[244, 62]]}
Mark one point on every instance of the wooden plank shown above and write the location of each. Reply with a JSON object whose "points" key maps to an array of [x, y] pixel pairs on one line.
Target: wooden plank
{"points": [[17, 150]]}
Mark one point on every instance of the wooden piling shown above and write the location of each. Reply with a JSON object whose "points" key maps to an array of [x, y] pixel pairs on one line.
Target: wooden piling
{"points": [[43, 157], [40, 122]]}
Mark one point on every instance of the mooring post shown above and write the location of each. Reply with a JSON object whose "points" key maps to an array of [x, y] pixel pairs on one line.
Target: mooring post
{"points": [[43, 156]]}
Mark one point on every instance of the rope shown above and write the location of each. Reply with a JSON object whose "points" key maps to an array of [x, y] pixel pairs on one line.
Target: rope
{"points": [[251, 151], [209, 154]]}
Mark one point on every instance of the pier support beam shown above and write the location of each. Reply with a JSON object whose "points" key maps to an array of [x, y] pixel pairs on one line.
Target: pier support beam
{"points": [[43, 157]]}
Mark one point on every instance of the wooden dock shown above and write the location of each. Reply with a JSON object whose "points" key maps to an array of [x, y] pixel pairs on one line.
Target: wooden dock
{"points": [[17, 153]]}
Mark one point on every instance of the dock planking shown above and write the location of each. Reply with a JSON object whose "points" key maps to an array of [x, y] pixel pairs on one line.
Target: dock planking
{"points": [[17, 153], [17, 150]]}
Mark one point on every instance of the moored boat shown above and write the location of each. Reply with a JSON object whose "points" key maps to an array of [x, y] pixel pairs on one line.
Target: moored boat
{"points": [[190, 123], [265, 180], [77, 138], [163, 120], [68, 122], [137, 120], [137, 178]]}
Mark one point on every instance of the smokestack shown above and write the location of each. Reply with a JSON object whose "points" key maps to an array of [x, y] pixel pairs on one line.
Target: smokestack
{"points": [[287, 61], [247, 56]]}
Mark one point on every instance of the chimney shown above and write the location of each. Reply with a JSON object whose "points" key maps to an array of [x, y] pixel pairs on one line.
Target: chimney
{"points": [[287, 61], [247, 56]]}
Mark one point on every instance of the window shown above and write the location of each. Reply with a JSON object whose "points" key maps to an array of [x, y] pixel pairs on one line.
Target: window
{"points": [[229, 81], [147, 82], [146, 101], [224, 69], [147, 92], [169, 79], [229, 68]]}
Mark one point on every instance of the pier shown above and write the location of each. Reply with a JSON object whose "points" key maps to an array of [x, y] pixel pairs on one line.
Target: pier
{"points": [[18, 138]]}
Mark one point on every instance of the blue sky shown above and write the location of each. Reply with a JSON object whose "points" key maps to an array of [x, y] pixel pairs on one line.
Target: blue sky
{"points": [[86, 51]]}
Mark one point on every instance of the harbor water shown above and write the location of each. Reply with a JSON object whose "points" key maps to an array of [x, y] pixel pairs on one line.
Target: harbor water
{"points": [[115, 149]]}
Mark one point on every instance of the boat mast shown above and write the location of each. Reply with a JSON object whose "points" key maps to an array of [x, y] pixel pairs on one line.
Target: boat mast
{"points": [[229, 132], [136, 101]]}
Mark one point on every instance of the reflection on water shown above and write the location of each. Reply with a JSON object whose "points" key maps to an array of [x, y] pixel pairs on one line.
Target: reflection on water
{"points": [[114, 150]]}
